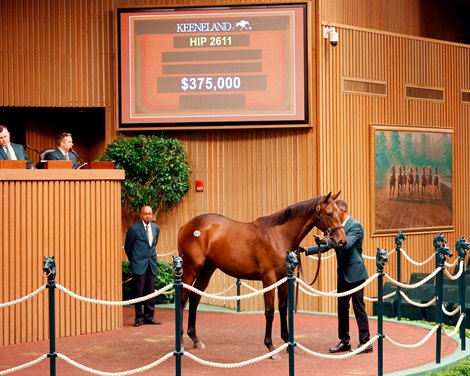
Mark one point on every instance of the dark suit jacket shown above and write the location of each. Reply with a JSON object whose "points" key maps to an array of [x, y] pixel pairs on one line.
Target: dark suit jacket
{"points": [[57, 155], [140, 254], [19, 152], [350, 262]]}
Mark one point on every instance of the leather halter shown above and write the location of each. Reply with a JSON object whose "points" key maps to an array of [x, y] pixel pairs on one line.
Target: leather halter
{"points": [[329, 232]]}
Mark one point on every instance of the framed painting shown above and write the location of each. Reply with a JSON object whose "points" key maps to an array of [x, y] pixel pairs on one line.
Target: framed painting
{"points": [[411, 181]]}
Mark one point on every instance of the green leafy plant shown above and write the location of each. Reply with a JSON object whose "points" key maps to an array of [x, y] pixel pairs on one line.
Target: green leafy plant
{"points": [[164, 278], [157, 170]]}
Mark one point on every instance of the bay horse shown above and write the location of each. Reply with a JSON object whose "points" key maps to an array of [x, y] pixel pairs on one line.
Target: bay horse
{"points": [[401, 180], [253, 251]]}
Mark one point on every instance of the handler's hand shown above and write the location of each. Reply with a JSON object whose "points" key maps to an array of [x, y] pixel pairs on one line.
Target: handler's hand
{"points": [[319, 240], [301, 249]]}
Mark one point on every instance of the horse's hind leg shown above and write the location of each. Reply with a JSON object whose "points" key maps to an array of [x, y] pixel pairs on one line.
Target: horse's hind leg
{"points": [[201, 284]]}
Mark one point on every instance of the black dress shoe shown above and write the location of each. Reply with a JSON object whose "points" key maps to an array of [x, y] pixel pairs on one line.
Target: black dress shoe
{"points": [[138, 323], [152, 322], [341, 347], [367, 350]]}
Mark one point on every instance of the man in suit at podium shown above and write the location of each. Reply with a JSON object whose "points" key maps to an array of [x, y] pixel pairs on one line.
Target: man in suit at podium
{"points": [[141, 250], [64, 151], [11, 151]]}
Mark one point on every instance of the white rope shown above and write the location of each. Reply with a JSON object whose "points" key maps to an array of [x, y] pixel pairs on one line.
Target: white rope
{"points": [[456, 329], [416, 345], [453, 263], [341, 294], [331, 255], [241, 297], [167, 254], [248, 286], [452, 313], [115, 303], [239, 364], [412, 302], [338, 357], [26, 297], [23, 366], [311, 293], [130, 372], [457, 276], [377, 299], [417, 284], [416, 262], [227, 289]]}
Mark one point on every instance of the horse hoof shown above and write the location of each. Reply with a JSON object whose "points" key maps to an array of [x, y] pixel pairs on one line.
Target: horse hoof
{"points": [[199, 345], [276, 357]]}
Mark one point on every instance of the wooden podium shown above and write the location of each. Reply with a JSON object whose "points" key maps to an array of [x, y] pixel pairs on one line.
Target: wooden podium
{"points": [[58, 165], [9, 164], [75, 216]]}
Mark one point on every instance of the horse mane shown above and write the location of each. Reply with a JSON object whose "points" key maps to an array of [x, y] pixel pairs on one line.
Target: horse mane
{"points": [[292, 211]]}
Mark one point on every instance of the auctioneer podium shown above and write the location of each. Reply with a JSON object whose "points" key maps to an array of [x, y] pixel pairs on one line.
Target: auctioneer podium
{"points": [[75, 216]]}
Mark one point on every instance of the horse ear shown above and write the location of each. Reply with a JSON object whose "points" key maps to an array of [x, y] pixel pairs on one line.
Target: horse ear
{"points": [[336, 195], [327, 197]]}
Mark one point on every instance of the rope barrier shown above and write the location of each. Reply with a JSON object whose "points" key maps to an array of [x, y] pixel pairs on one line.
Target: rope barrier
{"points": [[422, 305], [342, 356], [341, 294], [125, 373], [24, 298], [416, 345], [23, 366], [415, 262], [457, 276], [417, 284], [302, 285], [115, 303], [237, 365], [231, 298]]}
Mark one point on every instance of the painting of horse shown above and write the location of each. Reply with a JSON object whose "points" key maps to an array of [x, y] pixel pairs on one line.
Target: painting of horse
{"points": [[252, 251], [392, 181]]}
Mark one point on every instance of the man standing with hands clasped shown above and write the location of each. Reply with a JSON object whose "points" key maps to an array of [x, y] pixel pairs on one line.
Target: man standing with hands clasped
{"points": [[351, 272], [141, 250]]}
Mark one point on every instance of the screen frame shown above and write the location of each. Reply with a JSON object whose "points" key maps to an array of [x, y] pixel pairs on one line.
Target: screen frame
{"points": [[177, 125]]}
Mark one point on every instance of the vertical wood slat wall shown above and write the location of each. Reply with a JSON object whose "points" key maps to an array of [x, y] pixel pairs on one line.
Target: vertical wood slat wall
{"points": [[395, 60], [62, 54], [77, 222]]}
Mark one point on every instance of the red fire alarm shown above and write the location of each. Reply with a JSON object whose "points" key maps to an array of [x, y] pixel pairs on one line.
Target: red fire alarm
{"points": [[199, 185]]}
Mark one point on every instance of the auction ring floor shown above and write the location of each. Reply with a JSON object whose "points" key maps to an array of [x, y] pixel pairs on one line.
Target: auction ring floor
{"points": [[232, 338]]}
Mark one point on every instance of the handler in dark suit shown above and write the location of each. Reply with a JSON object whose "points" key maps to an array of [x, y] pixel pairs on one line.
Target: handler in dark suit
{"points": [[9, 150], [63, 151], [352, 272], [140, 246]]}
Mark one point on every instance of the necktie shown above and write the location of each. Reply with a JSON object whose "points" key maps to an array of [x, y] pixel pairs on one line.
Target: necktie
{"points": [[7, 151], [67, 156], [148, 230]]}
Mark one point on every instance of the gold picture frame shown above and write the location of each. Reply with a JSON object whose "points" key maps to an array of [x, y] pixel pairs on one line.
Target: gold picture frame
{"points": [[411, 185]]}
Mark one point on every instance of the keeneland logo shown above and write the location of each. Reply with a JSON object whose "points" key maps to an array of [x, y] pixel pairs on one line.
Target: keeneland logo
{"points": [[204, 27]]}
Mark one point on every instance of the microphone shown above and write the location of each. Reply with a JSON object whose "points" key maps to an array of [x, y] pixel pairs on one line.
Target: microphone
{"points": [[32, 148], [76, 154]]}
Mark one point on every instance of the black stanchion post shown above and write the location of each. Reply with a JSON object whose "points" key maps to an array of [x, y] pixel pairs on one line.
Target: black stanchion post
{"points": [[50, 269], [178, 284], [442, 251], [462, 246], [380, 259], [399, 238], [291, 264], [239, 283]]}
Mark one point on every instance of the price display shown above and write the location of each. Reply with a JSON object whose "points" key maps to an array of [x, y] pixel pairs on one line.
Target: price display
{"points": [[233, 65]]}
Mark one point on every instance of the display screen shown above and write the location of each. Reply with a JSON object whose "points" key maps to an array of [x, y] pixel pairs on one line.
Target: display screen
{"points": [[213, 66]]}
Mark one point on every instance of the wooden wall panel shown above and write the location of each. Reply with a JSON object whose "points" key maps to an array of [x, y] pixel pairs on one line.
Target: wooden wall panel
{"points": [[396, 60], [77, 222]]}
